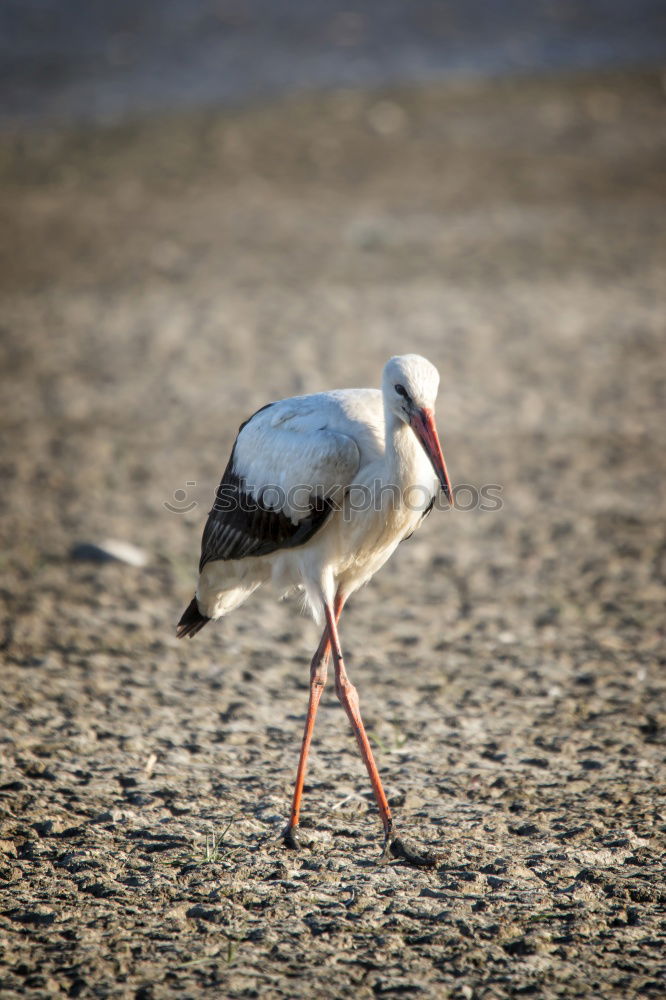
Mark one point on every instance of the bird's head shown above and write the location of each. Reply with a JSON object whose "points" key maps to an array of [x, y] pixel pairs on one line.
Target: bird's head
{"points": [[410, 384]]}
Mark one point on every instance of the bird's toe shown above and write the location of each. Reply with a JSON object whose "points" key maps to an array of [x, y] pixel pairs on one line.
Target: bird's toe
{"points": [[291, 839]]}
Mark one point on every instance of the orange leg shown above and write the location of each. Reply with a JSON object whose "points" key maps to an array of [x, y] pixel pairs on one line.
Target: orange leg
{"points": [[318, 673], [349, 698]]}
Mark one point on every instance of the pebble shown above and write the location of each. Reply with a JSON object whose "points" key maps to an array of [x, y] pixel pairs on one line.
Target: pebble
{"points": [[110, 550]]}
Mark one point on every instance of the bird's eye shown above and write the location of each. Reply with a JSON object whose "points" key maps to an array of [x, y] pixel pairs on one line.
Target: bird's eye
{"points": [[400, 389]]}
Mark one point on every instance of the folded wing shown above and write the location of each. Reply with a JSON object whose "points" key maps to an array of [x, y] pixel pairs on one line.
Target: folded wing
{"points": [[288, 470]]}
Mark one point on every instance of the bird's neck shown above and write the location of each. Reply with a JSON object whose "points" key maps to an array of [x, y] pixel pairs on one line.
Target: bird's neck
{"points": [[402, 452]]}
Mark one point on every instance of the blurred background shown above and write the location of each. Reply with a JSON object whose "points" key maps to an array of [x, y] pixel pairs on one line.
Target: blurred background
{"points": [[206, 205], [101, 61]]}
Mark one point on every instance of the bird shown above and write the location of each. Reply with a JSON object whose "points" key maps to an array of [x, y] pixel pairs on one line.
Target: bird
{"points": [[318, 492]]}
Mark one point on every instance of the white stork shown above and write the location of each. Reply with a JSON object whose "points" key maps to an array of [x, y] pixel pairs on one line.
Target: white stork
{"points": [[318, 492]]}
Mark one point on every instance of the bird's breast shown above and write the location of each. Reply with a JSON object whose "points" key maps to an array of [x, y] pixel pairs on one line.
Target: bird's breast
{"points": [[375, 517]]}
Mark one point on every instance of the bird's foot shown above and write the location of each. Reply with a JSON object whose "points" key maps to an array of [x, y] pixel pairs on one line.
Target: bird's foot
{"points": [[291, 839], [396, 847]]}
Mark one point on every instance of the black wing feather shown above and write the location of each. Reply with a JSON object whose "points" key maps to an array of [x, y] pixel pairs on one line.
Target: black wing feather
{"points": [[239, 525]]}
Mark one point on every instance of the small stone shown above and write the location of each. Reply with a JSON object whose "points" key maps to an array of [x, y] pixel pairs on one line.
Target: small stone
{"points": [[519, 947], [110, 550], [35, 918], [525, 830], [200, 912]]}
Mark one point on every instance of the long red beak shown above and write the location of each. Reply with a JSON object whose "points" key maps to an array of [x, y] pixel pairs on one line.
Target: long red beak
{"points": [[423, 425]]}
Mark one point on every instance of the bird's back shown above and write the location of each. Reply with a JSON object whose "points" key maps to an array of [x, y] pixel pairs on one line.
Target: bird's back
{"points": [[356, 413]]}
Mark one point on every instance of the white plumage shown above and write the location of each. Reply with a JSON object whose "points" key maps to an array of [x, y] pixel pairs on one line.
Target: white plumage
{"points": [[318, 492]]}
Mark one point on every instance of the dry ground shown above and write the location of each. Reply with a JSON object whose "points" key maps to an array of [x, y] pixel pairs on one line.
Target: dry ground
{"points": [[160, 281]]}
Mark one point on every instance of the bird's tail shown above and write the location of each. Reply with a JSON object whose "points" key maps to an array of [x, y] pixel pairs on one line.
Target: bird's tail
{"points": [[192, 621]]}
